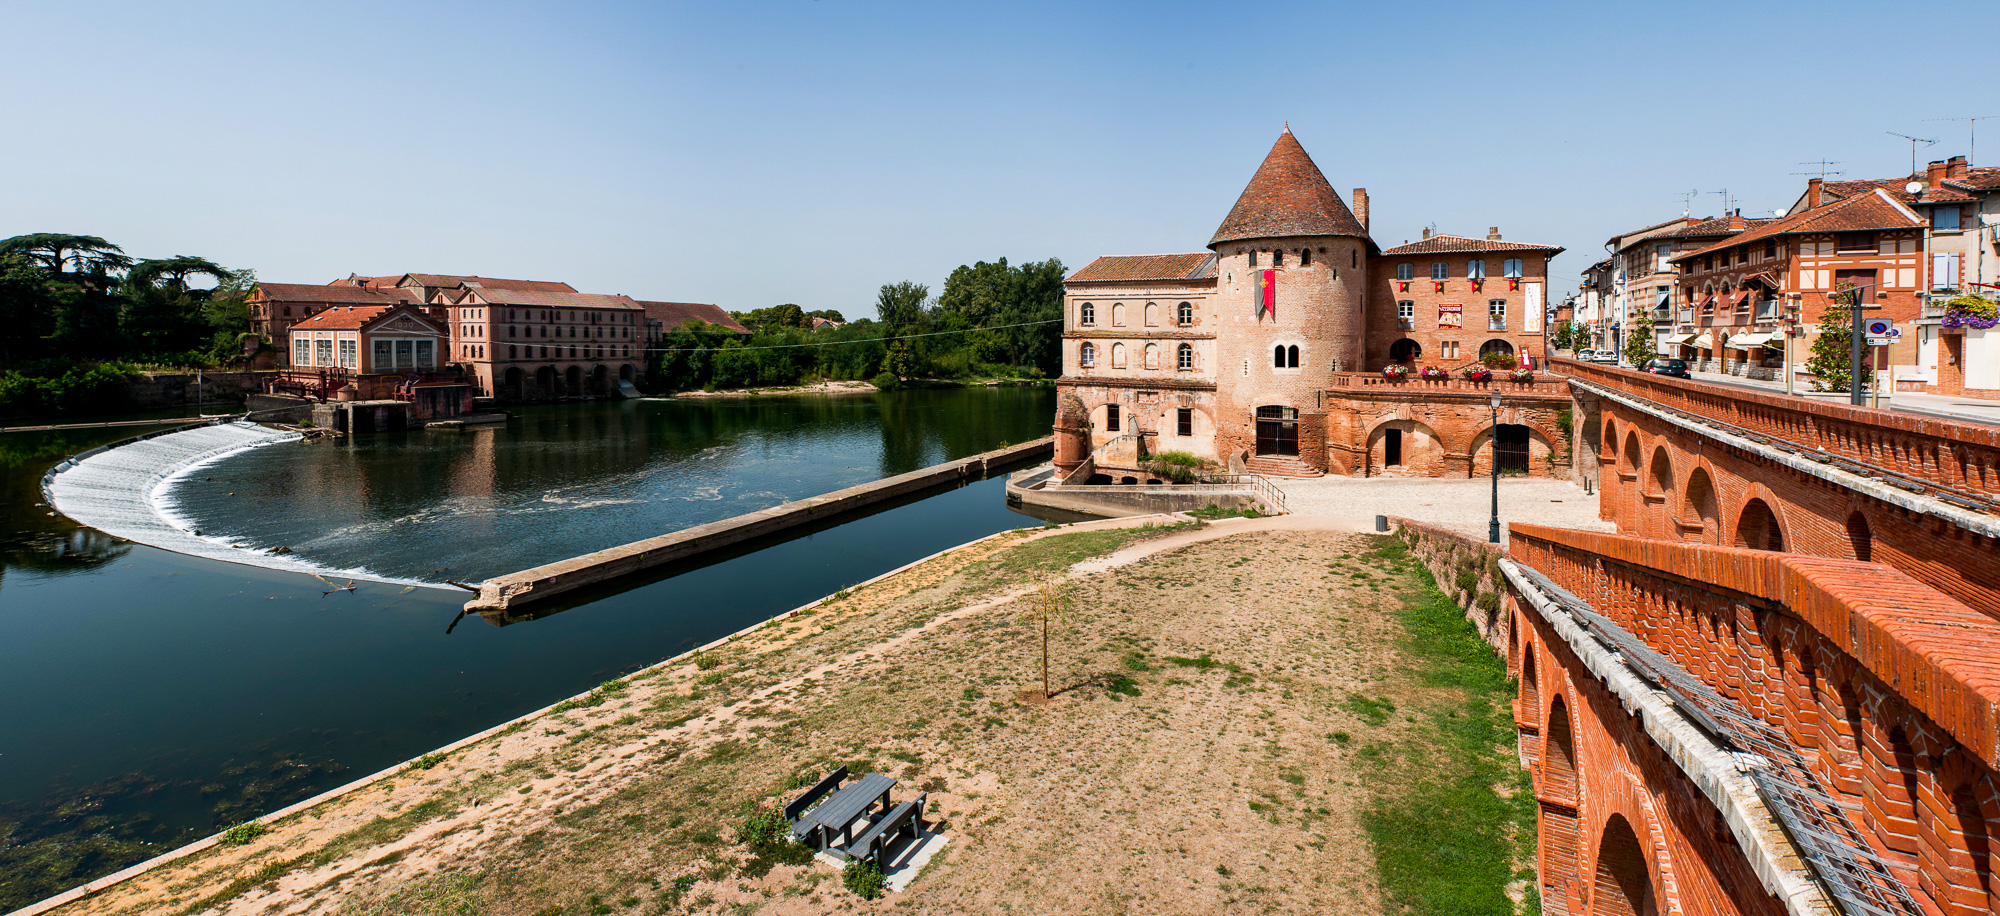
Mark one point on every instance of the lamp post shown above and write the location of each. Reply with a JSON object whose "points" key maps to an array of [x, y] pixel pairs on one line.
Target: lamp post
{"points": [[1493, 527]]}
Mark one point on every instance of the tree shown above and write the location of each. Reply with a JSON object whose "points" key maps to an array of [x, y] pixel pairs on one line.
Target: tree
{"points": [[27, 308], [900, 362], [1569, 336], [1830, 362], [828, 314], [1052, 602], [64, 255], [161, 314], [1639, 345], [903, 305]]}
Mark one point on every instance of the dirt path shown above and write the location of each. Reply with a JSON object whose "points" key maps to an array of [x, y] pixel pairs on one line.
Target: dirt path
{"points": [[1187, 765]]}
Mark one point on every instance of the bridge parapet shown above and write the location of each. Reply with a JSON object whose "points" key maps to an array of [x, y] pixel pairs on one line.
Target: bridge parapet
{"points": [[1949, 453], [1885, 690]]}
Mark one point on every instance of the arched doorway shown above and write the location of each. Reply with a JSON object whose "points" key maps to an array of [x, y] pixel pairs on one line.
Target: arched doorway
{"points": [[545, 382], [1757, 527], [1277, 431], [1405, 351], [625, 372], [600, 380], [573, 380], [1624, 885], [1510, 448], [515, 383], [1498, 350]]}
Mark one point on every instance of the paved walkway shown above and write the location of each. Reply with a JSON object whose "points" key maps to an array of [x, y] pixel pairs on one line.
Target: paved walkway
{"points": [[1460, 505], [1901, 401]]}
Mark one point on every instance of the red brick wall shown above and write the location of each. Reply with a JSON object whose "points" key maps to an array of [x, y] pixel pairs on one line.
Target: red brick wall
{"points": [[1446, 425], [1385, 291]]}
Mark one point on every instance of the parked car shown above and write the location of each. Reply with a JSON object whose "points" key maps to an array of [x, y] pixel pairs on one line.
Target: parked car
{"points": [[1588, 356], [1667, 365], [1607, 356]]}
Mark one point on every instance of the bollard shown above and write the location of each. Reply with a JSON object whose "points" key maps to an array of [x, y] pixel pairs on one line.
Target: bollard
{"points": [[1381, 523]]}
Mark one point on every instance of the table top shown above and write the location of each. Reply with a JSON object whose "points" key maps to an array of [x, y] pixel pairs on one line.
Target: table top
{"points": [[848, 803]]}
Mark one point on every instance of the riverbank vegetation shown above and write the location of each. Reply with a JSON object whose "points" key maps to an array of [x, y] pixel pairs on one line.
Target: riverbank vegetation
{"points": [[79, 318], [1273, 720], [992, 320]]}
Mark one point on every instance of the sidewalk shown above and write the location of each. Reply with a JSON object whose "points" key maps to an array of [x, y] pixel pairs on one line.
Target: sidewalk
{"points": [[1972, 409]]}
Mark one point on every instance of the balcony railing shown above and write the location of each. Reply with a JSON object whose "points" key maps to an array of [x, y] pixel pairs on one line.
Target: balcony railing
{"points": [[1496, 324], [1404, 324], [1769, 310], [1686, 316]]}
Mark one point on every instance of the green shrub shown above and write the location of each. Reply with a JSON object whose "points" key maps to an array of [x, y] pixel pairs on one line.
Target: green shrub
{"points": [[887, 381], [864, 879], [242, 833]]}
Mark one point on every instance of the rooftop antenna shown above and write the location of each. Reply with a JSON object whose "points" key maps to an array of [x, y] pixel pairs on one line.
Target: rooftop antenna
{"points": [[1971, 135], [1727, 201], [1688, 198], [1913, 147], [1824, 171]]}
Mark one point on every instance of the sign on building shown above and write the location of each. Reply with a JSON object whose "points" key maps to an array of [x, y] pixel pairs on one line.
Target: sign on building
{"points": [[1451, 316]]}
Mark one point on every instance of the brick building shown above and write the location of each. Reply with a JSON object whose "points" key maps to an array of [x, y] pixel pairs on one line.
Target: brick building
{"points": [[1235, 354], [663, 318], [529, 344], [275, 307]]}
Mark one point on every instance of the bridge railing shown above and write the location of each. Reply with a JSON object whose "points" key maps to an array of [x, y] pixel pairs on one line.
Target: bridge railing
{"points": [[1955, 454], [1884, 690]]}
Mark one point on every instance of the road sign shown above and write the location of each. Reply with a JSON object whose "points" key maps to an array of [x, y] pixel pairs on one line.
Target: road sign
{"points": [[1879, 341], [1879, 328]]}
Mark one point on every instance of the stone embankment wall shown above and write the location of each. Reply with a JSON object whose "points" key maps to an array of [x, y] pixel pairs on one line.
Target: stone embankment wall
{"points": [[1466, 570], [1040, 488], [160, 391], [543, 582]]}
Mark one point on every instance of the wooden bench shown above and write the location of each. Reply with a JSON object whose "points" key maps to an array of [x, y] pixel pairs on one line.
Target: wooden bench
{"points": [[832, 823], [874, 843], [799, 805]]}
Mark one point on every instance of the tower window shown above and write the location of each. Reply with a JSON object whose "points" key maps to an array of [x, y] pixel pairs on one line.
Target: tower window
{"points": [[1253, 258], [1184, 313], [1277, 259], [1088, 355], [1284, 357], [1305, 257], [1184, 357]]}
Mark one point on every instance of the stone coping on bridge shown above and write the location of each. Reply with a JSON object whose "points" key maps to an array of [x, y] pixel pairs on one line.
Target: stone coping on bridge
{"points": [[553, 579], [1543, 385], [1942, 657]]}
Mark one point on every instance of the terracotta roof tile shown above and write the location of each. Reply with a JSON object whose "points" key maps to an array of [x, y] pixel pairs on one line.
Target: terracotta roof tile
{"points": [[478, 282], [549, 298], [351, 317], [1980, 179], [672, 315], [1653, 231], [1444, 243], [350, 295], [1199, 265], [1287, 197], [1874, 210]]}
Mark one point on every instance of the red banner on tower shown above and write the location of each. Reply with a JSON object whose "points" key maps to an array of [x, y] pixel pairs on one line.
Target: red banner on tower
{"points": [[1266, 293]]}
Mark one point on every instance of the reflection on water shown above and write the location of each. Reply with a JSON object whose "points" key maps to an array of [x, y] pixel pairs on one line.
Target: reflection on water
{"points": [[156, 697]]}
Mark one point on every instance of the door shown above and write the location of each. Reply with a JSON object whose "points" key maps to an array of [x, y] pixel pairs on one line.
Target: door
{"points": [[1392, 448], [1277, 431], [1510, 448]]}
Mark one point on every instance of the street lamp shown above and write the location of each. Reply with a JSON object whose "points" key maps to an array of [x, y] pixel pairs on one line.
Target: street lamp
{"points": [[1493, 527]]}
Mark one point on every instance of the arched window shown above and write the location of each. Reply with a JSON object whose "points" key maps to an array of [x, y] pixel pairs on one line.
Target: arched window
{"points": [[1406, 271], [1152, 315], [1086, 314], [1117, 314], [1184, 357], [1184, 313], [1305, 257], [512, 351], [1088, 355], [1152, 356], [1118, 356], [1253, 257], [1860, 538], [1278, 357], [1277, 258], [1292, 357]]}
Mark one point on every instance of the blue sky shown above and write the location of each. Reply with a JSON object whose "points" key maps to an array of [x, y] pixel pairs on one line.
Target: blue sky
{"points": [[752, 153]]}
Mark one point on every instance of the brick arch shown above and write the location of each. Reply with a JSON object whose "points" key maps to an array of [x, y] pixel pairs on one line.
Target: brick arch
{"points": [[1757, 527], [1559, 754], [1531, 688], [1623, 884], [1427, 460], [1700, 510], [1656, 489], [1631, 455], [1860, 541], [1963, 853], [1537, 436]]}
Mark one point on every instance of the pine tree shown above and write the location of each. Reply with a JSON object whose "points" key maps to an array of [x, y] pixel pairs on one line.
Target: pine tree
{"points": [[1639, 346], [1831, 352]]}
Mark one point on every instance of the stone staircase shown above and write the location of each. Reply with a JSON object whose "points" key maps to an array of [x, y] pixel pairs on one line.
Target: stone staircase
{"points": [[1281, 466]]}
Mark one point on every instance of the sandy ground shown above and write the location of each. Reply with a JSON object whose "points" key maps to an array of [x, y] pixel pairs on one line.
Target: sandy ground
{"points": [[1461, 505], [1194, 786]]}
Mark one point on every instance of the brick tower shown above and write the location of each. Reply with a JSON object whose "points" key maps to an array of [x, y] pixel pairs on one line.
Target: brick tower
{"points": [[1291, 280]]}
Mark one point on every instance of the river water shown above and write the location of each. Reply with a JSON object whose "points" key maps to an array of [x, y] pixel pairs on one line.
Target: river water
{"points": [[154, 697]]}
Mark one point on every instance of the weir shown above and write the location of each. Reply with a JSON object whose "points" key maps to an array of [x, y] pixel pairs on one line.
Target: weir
{"points": [[548, 581], [121, 489]]}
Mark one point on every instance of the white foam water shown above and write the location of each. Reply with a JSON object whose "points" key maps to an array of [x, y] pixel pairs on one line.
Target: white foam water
{"points": [[126, 491]]}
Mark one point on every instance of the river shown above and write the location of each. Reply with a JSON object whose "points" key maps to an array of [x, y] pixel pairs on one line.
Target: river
{"points": [[156, 697]]}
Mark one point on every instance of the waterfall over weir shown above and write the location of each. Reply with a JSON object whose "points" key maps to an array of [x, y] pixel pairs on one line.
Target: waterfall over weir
{"points": [[125, 489]]}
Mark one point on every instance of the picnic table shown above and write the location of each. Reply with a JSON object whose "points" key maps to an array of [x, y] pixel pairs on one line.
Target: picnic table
{"points": [[838, 814]]}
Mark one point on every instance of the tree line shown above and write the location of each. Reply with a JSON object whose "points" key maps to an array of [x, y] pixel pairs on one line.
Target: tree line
{"points": [[992, 320], [78, 316]]}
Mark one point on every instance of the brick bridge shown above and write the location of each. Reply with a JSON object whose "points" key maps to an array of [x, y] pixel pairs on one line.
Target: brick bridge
{"points": [[1777, 688]]}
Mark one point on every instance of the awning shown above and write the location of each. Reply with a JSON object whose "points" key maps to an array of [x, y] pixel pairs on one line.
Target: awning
{"points": [[1769, 279], [1746, 341], [1704, 342], [1775, 342], [1679, 339], [1706, 301], [1663, 301], [1737, 296]]}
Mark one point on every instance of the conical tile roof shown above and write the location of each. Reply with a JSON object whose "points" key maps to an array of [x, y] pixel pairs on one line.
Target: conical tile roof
{"points": [[1288, 196]]}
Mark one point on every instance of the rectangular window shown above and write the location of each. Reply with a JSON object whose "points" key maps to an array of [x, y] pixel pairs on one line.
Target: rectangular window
{"points": [[405, 354], [1944, 217], [1440, 270], [347, 355], [323, 353], [1944, 270], [1660, 255], [1406, 271], [1770, 248], [1511, 268], [1855, 243], [1496, 314], [382, 361], [301, 352], [424, 357], [1184, 422], [1111, 418], [1475, 269], [1451, 349]]}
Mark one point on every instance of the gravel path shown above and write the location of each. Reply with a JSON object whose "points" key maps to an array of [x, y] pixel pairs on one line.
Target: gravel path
{"points": [[1460, 505]]}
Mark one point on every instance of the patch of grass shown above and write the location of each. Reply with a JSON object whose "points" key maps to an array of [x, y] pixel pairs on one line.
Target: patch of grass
{"points": [[1371, 710], [1212, 512], [1122, 686], [1055, 553], [864, 879], [427, 761], [447, 893], [1136, 661], [1340, 738], [385, 829], [1203, 663], [708, 661], [241, 833], [1446, 841], [271, 871]]}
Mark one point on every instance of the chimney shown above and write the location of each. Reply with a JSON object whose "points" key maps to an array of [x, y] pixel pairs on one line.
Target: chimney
{"points": [[1493, 234], [1812, 193], [1736, 220], [1956, 168], [1427, 232], [1934, 175], [1361, 207]]}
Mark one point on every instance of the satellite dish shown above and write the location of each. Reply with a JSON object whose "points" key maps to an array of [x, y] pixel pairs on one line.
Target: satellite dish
{"points": [[1914, 187]]}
